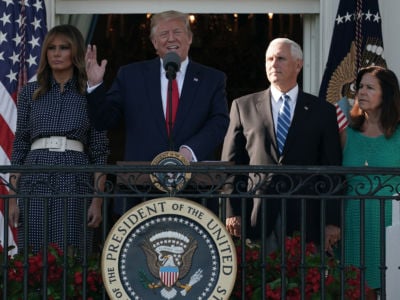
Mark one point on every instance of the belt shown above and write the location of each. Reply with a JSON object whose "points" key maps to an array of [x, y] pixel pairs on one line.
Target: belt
{"points": [[57, 143]]}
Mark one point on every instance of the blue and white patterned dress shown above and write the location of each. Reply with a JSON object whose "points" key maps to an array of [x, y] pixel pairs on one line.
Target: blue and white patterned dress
{"points": [[55, 114]]}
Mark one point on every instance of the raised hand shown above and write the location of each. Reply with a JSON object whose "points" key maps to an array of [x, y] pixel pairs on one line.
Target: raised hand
{"points": [[95, 72]]}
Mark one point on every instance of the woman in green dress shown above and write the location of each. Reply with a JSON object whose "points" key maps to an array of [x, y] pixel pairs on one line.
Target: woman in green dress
{"points": [[372, 139]]}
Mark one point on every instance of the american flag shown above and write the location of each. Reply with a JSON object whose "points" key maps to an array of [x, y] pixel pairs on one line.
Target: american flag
{"points": [[22, 29], [356, 43]]}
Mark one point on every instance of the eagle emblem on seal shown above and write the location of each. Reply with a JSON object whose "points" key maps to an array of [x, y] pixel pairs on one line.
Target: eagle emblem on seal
{"points": [[342, 83], [169, 259]]}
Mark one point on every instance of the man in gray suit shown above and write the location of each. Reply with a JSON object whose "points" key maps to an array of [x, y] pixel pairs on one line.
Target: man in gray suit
{"points": [[253, 138]]}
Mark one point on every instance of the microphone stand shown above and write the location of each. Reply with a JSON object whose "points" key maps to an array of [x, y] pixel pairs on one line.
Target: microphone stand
{"points": [[171, 75]]}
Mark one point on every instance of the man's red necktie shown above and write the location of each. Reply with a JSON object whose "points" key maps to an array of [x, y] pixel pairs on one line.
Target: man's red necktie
{"points": [[175, 100]]}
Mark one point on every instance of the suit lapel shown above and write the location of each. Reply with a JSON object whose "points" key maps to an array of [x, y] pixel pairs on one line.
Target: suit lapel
{"points": [[153, 82], [188, 94], [264, 109], [301, 113]]}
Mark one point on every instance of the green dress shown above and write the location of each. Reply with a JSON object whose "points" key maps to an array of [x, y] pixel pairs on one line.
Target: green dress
{"points": [[361, 150]]}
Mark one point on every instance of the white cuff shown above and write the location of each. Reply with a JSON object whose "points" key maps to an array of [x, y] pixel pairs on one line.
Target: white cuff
{"points": [[194, 158], [90, 89]]}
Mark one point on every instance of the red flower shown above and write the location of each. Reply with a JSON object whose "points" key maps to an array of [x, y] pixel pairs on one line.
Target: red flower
{"points": [[55, 272], [293, 270], [78, 278]]}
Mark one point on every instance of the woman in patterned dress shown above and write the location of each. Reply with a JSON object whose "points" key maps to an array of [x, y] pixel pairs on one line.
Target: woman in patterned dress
{"points": [[373, 139], [53, 129]]}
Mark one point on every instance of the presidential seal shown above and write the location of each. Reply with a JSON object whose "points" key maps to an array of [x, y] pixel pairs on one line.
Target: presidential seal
{"points": [[169, 248], [170, 181]]}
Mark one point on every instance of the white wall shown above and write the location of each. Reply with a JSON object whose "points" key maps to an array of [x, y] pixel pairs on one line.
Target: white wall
{"points": [[390, 31]]}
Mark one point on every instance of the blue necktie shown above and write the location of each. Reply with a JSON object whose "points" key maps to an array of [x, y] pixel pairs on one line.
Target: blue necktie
{"points": [[283, 122]]}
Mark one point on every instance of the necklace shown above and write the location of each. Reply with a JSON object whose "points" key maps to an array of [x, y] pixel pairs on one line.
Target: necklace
{"points": [[370, 149], [371, 131]]}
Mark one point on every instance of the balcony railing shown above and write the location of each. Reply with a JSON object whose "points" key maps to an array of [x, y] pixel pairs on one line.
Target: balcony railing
{"points": [[217, 182]]}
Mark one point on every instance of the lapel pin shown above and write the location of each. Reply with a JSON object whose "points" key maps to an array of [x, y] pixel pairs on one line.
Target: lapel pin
{"points": [[195, 79], [306, 107]]}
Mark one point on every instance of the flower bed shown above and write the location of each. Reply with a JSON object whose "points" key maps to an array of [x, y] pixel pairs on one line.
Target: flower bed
{"points": [[253, 283], [55, 261]]}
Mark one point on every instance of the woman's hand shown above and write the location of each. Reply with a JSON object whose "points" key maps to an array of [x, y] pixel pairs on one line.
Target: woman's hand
{"points": [[13, 212], [94, 213], [13, 209], [332, 236]]}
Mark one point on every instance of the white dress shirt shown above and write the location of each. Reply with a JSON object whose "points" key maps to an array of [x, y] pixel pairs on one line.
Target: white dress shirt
{"points": [[180, 76], [277, 105]]}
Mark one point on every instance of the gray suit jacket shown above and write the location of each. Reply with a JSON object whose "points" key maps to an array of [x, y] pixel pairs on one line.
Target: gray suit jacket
{"points": [[313, 139]]}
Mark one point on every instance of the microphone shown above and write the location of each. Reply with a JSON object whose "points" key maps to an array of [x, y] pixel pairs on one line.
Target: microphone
{"points": [[171, 64]]}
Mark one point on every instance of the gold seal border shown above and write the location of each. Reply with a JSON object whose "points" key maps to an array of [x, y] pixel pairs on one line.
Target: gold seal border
{"points": [[168, 206], [162, 157]]}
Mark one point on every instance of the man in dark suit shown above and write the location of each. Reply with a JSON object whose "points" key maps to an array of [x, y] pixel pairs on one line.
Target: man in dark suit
{"points": [[253, 138], [139, 93]]}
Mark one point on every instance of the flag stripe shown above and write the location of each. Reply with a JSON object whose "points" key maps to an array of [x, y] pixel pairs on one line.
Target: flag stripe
{"points": [[6, 138], [8, 107], [12, 233], [341, 118]]}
